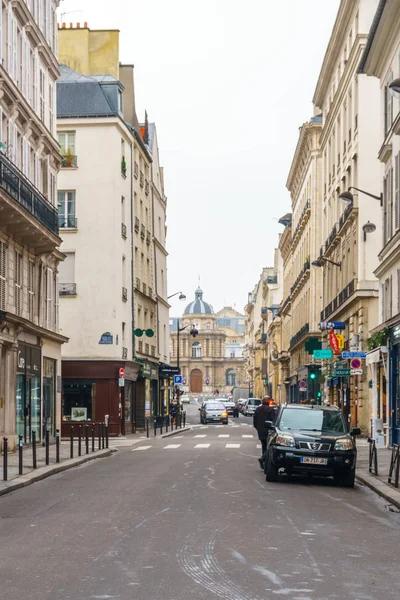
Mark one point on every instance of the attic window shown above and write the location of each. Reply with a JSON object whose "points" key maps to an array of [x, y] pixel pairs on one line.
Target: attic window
{"points": [[120, 104]]}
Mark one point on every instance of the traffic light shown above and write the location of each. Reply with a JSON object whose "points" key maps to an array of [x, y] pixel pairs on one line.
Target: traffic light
{"points": [[319, 394], [313, 375]]}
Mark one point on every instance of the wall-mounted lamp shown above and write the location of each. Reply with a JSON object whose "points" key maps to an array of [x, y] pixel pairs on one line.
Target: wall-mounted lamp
{"points": [[348, 196], [368, 228], [321, 261], [395, 85]]}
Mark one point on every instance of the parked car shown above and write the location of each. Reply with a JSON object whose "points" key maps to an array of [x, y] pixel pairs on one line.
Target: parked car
{"points": [[229, 405], [312, 440], [213, 412], [241, 402], [185, 399], [250, 407]]}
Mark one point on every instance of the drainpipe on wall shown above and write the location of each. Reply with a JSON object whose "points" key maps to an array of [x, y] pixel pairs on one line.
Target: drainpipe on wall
{"points": [[132, 259]]}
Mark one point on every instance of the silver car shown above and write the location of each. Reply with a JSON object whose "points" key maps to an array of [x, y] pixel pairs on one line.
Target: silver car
{"points": [[213, 412], [250, 407]]}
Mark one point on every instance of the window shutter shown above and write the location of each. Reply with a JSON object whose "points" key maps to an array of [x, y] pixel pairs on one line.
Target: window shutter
{"points": [[49, 298], [9, 39], [31, 289], [23, 63], [14, 48], [35, 102], [385, 199], [56, 303], [48, 21], [390, 204], [3, 274], [397, 193], [17, 283], [55, 34]]}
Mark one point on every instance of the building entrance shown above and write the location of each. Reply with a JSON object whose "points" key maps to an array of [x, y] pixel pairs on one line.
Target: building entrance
{"points": [[196, 381]]}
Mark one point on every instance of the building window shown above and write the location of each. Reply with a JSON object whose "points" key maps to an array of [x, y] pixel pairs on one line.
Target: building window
{"points": [[67, 149], [66, 209], [42, 92], [18, 283], [230, 377], [67, 285], [196, 350], [3, 274], [31, 288]]}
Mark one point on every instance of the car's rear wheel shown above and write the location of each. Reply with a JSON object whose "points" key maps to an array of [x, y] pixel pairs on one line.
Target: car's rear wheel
{"points": [[271, 472]]}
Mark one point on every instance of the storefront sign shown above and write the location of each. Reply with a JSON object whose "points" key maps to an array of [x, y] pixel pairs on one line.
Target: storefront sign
{"points": [[146, 370], [169, 371], [321, 354], [333, 341], [354, 354], [329, 325], [154, 373]]}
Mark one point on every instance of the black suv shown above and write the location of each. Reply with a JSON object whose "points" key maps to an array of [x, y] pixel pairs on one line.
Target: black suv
{"points": [[309, 439]]}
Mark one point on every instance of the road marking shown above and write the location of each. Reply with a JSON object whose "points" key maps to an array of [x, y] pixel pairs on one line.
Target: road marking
{"points": [[245, 435], [232, 445], [258, 446], [203, 435], [141, 448], [224, 435], [172, 446], [202, 445]]}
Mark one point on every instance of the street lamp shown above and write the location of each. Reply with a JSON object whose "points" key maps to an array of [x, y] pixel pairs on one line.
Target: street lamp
{"points": [[181, 296], [348, 196], [395, 85], [321, 260], [368, 228]]}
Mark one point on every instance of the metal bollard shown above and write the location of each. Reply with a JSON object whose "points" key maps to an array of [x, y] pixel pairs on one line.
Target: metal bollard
{"points": [[99, 434], [5, 459], [155, 427], [147, 428], [34, 459], [106, 435], [47, 440], [166, 425], [103, 435], [57, 445], [92, 438], [184, 419], [79, 440], [87, 438], [71, 451], [20, 448], [180, 420], [161, 423]]}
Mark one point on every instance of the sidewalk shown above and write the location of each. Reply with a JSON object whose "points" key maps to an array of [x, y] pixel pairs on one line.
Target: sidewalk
{"points": [[378, 483], [31, 475]]}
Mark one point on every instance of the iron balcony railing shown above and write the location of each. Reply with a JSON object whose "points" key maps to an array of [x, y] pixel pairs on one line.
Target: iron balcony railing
{"points": [[305, 268], [305, 209], [67, 222], [135, 169], [339, 300], [67, 289], [301, 333], [14, 182]]}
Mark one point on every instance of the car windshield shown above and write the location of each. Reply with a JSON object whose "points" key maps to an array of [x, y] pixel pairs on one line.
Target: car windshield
{"points": [[215, 406], [321, 421]]}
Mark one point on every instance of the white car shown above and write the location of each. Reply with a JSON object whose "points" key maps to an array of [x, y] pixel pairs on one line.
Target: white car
{"points": [[250, 407], [229, 405], [185, 399]]}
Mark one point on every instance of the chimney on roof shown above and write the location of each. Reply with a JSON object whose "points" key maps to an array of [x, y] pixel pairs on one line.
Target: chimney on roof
{"points": [[71, 25], [85, 25], [146, 129], [64, 25], [78, 25]]}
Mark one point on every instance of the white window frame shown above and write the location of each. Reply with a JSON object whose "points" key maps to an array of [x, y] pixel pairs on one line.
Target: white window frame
{"points": [[3, 274], [65, 215], [18, 272], [31, 290]]}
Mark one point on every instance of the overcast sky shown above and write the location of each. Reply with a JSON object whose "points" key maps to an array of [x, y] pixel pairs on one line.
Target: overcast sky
{"points": [[228, 83]]}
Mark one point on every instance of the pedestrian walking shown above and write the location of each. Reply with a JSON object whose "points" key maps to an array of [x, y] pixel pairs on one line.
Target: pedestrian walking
{"points": [[267, 411]]}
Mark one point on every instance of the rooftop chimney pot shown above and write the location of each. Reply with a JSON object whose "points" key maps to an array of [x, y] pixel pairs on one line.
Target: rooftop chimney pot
{"points": [[85, 24], [64, 25], [78, 25], [71, 25]]}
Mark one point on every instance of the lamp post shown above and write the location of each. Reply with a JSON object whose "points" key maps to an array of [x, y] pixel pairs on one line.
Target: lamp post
{"points": [[320, 262], [181, 296], [348, 196]]}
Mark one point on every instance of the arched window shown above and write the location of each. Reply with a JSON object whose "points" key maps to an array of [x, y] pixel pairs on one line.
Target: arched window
{"points": [[196, 350], [208, 326], [230, 377]]}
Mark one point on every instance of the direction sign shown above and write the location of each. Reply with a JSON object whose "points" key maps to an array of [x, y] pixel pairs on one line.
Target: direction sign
{"points": [[354, 354], [178, 379], [342, 373], [321, 354], [121, 373], [355, 363], [356, 372], [331, 325]]}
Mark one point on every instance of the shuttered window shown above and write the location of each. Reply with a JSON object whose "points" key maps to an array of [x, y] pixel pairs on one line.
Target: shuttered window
{"points": [[49, 299], [385, 203], [9, 38], [51, 107], [397, 193], [42, 92], [18, 283], [3, 274], [31, 289], [390, 204]]}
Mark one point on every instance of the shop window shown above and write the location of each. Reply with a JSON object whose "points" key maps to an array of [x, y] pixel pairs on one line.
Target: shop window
{"points": [[77, 401], [49, 394]]}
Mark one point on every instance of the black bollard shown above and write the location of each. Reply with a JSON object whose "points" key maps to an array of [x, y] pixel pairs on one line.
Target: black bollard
{"points": [[5, 459], [92, 438], [47, 440], [20, 449], [166, 425], [34, 459], [147, 428], [71, 452], [180, 420], [161, 423], [57, 445], [80, 440], [87, 438], [106, 428], [103, 435], [155, 427], [184, 419], [99, 434]]}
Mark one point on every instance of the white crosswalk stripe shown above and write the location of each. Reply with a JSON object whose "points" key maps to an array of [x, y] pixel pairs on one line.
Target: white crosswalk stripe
{"points": [[244, 435], [172, 446], [232, 446], [258, 445], [202, 445], [224, 435], [141, 448], [203, 435]]}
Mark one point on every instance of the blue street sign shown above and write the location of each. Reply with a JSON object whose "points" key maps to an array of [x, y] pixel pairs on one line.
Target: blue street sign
{"points": [[354, 354], [178, 379], [332, 325]]}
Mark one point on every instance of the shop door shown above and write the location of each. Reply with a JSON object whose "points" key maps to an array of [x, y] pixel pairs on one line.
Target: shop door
{"points": [[395, 417], [196, 381]]}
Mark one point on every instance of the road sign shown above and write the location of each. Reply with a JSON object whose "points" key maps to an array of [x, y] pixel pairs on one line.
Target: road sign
{"points": [[340, 339], [356, 372], [303, 385], [178, 379], [333, 341], [354, 354], [121, 373], [121, 382], [331, 325], [321, 354], [342, 373], [355, 363]]}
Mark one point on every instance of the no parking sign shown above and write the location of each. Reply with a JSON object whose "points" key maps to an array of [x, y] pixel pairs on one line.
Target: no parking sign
{"points": [[355, 363]]}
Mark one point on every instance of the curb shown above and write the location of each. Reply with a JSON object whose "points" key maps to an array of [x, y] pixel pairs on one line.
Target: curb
{"points": [[176, 432], [44, 472], [380, 488]]}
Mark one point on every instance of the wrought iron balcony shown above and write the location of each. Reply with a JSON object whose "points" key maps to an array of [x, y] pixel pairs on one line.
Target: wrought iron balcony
{"points": [[339, 300], [148, 238], [147, 187], [67, 289], [299, 335], [137, 283], [67, 222], [135, 169], [137, 224], [141, 179], [304, 270], [14, 182]]}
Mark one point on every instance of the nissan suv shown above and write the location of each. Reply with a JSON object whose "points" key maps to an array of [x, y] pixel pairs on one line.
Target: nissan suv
{"points": [[311, 440]]}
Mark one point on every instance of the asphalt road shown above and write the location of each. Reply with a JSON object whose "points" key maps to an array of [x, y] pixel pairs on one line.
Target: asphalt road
{"points": [[192, 517]]}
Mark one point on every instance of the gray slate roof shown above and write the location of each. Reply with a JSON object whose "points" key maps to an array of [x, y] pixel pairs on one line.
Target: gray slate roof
{"points": [[83, 95], [199, 307]]}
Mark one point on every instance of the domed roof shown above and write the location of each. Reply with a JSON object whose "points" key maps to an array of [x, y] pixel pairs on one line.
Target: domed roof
{"points": [[199, 307]]}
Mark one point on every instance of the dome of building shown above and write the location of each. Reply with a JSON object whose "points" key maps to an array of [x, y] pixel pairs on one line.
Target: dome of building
{"points": [[199, 307]]}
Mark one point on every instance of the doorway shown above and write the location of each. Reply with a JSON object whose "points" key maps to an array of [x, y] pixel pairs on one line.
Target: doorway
{"points": [[196, 381]]}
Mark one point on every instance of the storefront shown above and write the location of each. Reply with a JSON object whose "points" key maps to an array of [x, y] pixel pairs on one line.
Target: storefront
{"points": [[377, 365], [146, 393], [394, 382], [28, 392]]}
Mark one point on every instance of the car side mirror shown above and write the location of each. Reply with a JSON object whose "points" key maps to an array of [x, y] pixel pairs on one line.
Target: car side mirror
{"points": [[355, 431], [268, 424]]}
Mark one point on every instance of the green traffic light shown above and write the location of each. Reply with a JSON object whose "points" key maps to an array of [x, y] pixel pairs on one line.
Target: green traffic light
{"points": [[319, 394], [312, 375]]}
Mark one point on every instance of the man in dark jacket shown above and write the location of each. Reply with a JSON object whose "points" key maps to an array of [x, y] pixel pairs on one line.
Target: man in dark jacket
{"points": [[265, 412]]}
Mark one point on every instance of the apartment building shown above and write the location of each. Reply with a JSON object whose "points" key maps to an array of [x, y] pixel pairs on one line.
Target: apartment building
{"points": [[349, 104], [304, 184], [381, 61], [284, 247], [30, 342]]}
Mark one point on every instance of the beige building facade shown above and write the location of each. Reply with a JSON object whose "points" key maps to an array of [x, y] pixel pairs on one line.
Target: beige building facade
{"points": [[30, 342]]}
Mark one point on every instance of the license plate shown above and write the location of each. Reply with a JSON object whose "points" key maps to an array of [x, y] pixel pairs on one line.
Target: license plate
{"points": [[313, 460]]}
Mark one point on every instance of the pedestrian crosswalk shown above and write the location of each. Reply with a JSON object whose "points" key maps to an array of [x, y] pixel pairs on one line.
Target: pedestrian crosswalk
{"points": [[193, 446]]}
